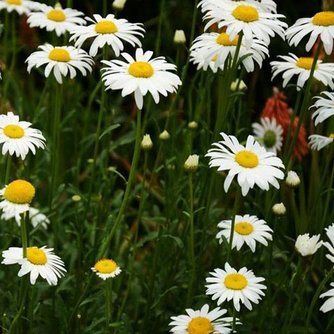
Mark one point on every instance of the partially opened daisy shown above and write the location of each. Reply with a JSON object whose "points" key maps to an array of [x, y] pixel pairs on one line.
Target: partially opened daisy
{"points": [[107, 31], [251, 163], [306, 245], [324, 106], [106, 268], [38, 262], [17, 137], [20, 6], [241, 286], [62, 60], [328, 305], [320, 25], [16, 199], [141, 75], [201, 321], [56, 19], [330, 245], [269, 133], [301, 67], [318, 142], [217, 48], [247, 230], [248, 20]]}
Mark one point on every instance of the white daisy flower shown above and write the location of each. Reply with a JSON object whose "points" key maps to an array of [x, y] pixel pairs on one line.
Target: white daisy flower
{"points": [[56, 19], [248, 20], [320, 25], [39, 261], [301, 66], [17, 137], [16, 199], [252, 163], [330, 245], [269, 133], [106, 268], [38, 218], [20, 6], [141, 75], [307, 246], [63, 60], [201, 321], [240, 286], [318, 142], [324, 107], [216, 48], [328, 305], [247, 230], [108, 30]]}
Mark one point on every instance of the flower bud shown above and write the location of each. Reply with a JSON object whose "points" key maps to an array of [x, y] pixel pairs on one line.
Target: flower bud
{"points": [[76, 198], [118, 4], [292, 179], [193, 125], [240, 84], [279, 209], [306, 245], [146, 143], [191, 164], [164, 135], [179, 37]]}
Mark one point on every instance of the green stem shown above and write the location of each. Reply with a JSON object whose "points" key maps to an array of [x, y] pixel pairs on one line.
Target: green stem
{"points": [[8, 164], [24, 235], [108, 288]]}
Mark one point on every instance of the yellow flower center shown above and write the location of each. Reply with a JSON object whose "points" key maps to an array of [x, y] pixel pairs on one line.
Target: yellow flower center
{"points": [[56, 15], [331, 135], [305, 62], [235, 281], [243, 228], [19, 192], [200, 325], [141, 69], [59, 54], [36, 256], [246, 13], [13, 131], [247, 159], [105, 266], [14, 2], [323, 19], [224, 39], [105, 27]]}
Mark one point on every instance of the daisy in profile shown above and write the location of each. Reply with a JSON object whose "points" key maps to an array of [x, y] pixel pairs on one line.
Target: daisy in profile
{"points": [[328, 305], [324, 106], [216, 48], [20, 6], [201, 321], [141, 75], [56, 19], [269, 133], [106, 268], [320, 25], [318, 142], [330, 245], [306, 245], [62, 60], [16, 199], [17, 137], [107, 31], [38, 262], [251, 163], [37, 218], [240, 286], [247, 230], [301, 67], [246, 19]]}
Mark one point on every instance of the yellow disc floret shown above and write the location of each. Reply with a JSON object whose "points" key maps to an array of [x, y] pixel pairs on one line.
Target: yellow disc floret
{"points": [[200, 325], [141, 69], [235, 281], [331, 136], [246, 13], [14, 2], [13, 131], [247, 159], [224, 39], [36, 256], [60, 54], [56, 15], [105, 266], [305, 63], [19, 192], [323, 19], [243, 228], [106, 27]]}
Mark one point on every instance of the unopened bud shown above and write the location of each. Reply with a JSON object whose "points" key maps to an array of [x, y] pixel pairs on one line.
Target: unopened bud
{"points": [[179, 37], [76, 198], [238, 85], [279, 209], [192, 125], [191, 164], [118, 4], [292, 179], [146, 143], [164, 135]]}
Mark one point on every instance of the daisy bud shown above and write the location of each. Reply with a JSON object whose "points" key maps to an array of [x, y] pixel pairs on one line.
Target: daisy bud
{"points": [[146, 143], [76, 198], [292, 179], [238, 85], [279, 209], [306, 245], [118, 4], [191, 164], [193, 125], [179, 37], [164, 135]]}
